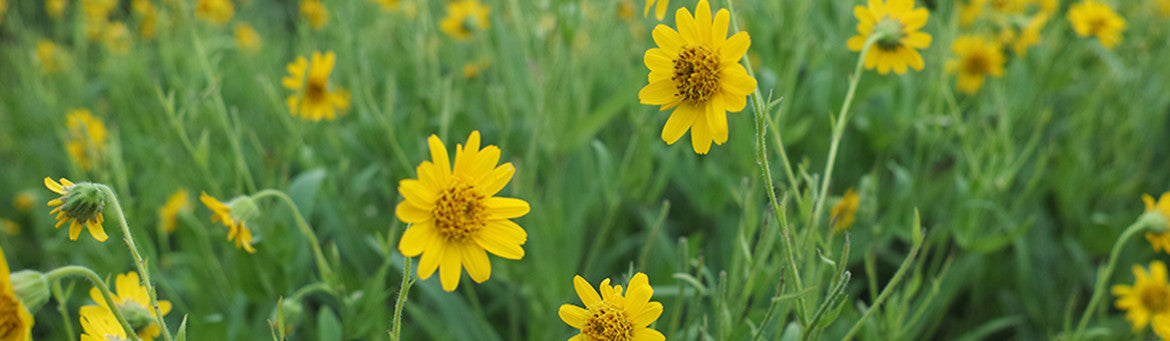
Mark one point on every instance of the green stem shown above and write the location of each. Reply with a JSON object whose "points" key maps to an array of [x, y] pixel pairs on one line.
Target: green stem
{"points": [[322, 265], [143, 270], [59, 295], [233, 139], [403, 290], [1104, 274], [889, 286], [81, 271]]}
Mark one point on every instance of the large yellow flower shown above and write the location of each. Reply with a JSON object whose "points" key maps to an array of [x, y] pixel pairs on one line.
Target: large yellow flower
{"points": [[1159, 240], [15, 321], [464, 16], [83, 208], [612, 316], [236, 229], [1147, 298], [132, 299], [177, 202], [696, 71], [216, 12], [975, 58], [86, 142], [98, 323], [455, 216], [1090, 17], [899, 21], [313, 100]]}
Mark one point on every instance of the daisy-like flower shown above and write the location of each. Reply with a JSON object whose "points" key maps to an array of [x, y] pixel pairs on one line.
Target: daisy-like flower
{"points": [[236, 229], [463, 18], [898, 22], [48, 56], [86, 142], [455, 216], [216, 12], [660, 11], [15, 321], [1159, 240], [313, 100], [612, 315], [975, 58], [1148, 297], [80, 203], [177, 202], [1090, 17], [845, 211], [696, 71], [247, 39], [315, 13], [131, 298], [98, 323], [55, 8]]}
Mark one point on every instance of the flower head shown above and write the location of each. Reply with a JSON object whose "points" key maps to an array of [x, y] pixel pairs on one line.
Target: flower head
{"points": [[116, 38], [86, 142], [131, 298], [81, 203], [696, 71], [233, 215], [313, 100], [15, 321], [48, 56], [148, 18], [660, 11], [844, 212], [897, 22], [464, 17], [97, 17], [24, 201], [1090, 17], [975, 58], [315, 13], [1159, 240], [55, 8], [612, 315], [247, 39], [9, 227], [177, 202], [1029, 34], [1148, 297], [98, 323], [455, 216], [216, 12]]}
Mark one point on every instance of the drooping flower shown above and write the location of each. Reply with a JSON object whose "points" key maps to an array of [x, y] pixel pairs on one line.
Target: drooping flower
{"points": [[175, 203], [845, 211], [315, 12], [1159, 240], [235, 223], [80, 204], [464, 17], [313, 100], [86, 143], [15, 321], [98, 323], [1147, 298], [660, 11], [131, 298], [898, 22], [696, 71], [455, 216], [613, 315], [216, 12], [1090, 17], [247, 39], [975, 58]]}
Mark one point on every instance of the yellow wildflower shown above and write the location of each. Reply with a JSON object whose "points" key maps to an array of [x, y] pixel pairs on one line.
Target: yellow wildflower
{"points": [[612, 315], [131, 298], [1159, 240], [975, 58], [176, 203], [1148, 297], [24, 201], [315, 13], [247, 39], [1090, 17], [55, 8], [79, 205], [216, 12], [98, 323], [236, 229], [844, 212], [9, 227], [1030, 34], [312, 99], [48, 56], [87, 138], [148, 18], [898, 21], [388, 5], [464, 16], [117, 38]]}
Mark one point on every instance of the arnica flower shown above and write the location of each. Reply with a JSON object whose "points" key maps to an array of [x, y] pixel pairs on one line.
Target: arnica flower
{"points": [[455, 216], [87, 138], [463, 18], [612, 315], [660, 11], [48, 56], [898, 22], [975, 58], [216, 12], [80, 204], [98, 323], [117, 38], [1148, 297], [313, 100], [55, 8], [315, 13], [1159, 240], [1094, 18], [232, 216], [845, 211], [148, 18], [247, 39], [696, 71], [131, 298], [176, 203], [15, 321]]}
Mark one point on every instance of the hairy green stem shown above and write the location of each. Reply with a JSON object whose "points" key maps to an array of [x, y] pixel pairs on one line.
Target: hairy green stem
{"points": [[403, 290], [81, 271], [143, 269], [889, 286]]}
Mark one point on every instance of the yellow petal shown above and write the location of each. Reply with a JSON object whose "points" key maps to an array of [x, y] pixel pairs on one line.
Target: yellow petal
{"points": [[701, 135], [96, 231], [451, 266], [686, 25], [734, 79], [439, 156], [74, 229], [669, 40], [492, 182], [409, 213], [648, 315], [703, 20], [415, 192], [734, 49], [647, 334], [573, 315], [54, 186], [418, 238], [659, 93], [679, 122], [476, 262], [717, 120], [505, 208], [429, 262], [588, 296], [502, 238]]}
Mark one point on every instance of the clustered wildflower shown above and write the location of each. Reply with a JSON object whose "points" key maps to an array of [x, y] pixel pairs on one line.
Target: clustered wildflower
{"points": [[613, 315]]}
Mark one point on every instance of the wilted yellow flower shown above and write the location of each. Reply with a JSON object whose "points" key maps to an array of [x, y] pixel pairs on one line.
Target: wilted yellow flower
{"points": [[975, 58], [117, 38], [86, 142], [612, 315], [215, 11], [55, 8], [388, 5], [247, 39], [464, 17], [48, 56], [455, 217], [236, 229], [898, 21], [1090, 17], [98, 323], [1160, 240], [845, 211], [80, 206], [177, 202], [148, 18], [659, 12], [313, 100], [315, 13], [131, 298], [1148, 297], [15, 321], [698, 75]]}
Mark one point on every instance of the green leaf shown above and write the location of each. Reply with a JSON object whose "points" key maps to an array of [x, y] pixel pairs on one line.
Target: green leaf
{"points": [[304, 188], [328, 326], [181, 335]]}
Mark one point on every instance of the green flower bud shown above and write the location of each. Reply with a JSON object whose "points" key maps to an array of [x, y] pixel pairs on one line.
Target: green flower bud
{"points": [[31, 288], [243, 208]]}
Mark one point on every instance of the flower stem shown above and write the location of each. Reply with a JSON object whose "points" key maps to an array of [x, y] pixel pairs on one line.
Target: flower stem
{"points": [[81, 271], [403, 290], [59, 295], [143, 269], [1104, 274], [322, 265], [918, 241]]}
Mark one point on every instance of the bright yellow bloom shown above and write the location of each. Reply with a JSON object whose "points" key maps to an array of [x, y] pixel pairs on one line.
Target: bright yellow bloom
{"points": [[696, 71], [131, 296], [464, 16], [455, 216], [48, 56], [98, 323], [975, 58], [388, 5], [117, 38], [1090, 17], [315, 101], [236, 229], [473, 69], [247, 39], [15, 321], [899, 21], [86, 142], [83, 209], [97, 17], [315, 13], [55, 8], [1160, 240], [845, 211], [9, 227], [612, 315], [177, 202], [215, 11], [1148, 297], [148, 15], [659, 12]]}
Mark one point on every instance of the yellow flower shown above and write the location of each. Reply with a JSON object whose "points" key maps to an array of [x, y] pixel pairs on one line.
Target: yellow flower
{"points": [[15, 321], [132, 299], [236, 229], [1161, 240], [969, 11], [9, 227], [1030, 35], [455, 216], [55, 8], [97, 17], [659, 12], [844, 212], [315, 13], [86, 142], [148, 14], [388, 5], [1090, 17], [612, 315], [473, 69], [215, 11], [1148, 297], [1164, 8], [463, 16], [80, 204], [117, 38], [24, 201], [177, 202], [315, 102], [899, 22], [48, 55], [975, 58], [98, 323], [3, 8], [696, 71], [247, 39]]}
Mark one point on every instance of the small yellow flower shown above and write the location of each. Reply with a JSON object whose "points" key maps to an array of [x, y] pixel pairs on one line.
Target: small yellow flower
{"points": [[86, 142], [975, 58], [844, 212], [24, 201], [1148, 297], [899, 22], [313, 100], [55, 8], [612, 315], [98, 323], [216, 12], [1090, 17], [97, 17], [236, 229], [1160, 240], [117, 38], [247, 39], [176, 203], [48, 56], [473, 69], [388, 5], [80, 204], [15, 321], [132, 299], [315, 13], [148, 18], [1030, 35], [659, 12], [463, 18], [454, 215], [9, 227]]}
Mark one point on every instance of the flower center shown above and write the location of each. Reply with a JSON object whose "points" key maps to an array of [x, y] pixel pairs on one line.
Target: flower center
{"points": [[459, 211], [976, 63], [315, 90], [1097, 24], [696, 74], [608, 323], [1155, 298], [889, 31], [9, 317]]}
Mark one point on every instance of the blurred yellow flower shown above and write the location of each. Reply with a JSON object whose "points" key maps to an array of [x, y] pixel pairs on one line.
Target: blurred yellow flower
{"points": [[98, 323], [1030, 34], [48, 56], [473, 69], [148, 18], [698, 75], [454, 215], [464, 16], [215, 11], [975, 58], [131, 298], [388, 5], [97, 17], [313, 100], [1090, 17], [117, 38], [176, 203], [86, 142], [315, 13], [24, 201], [9, 227], [612, 315], [898, 21], [844, 212], [55, 8], [15, 321], [1164, 8], [3, 8], [969, 11], [247, 39], [236, 229], [1160, 240], [79, 206], [1148, 297], [659, 12]]}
